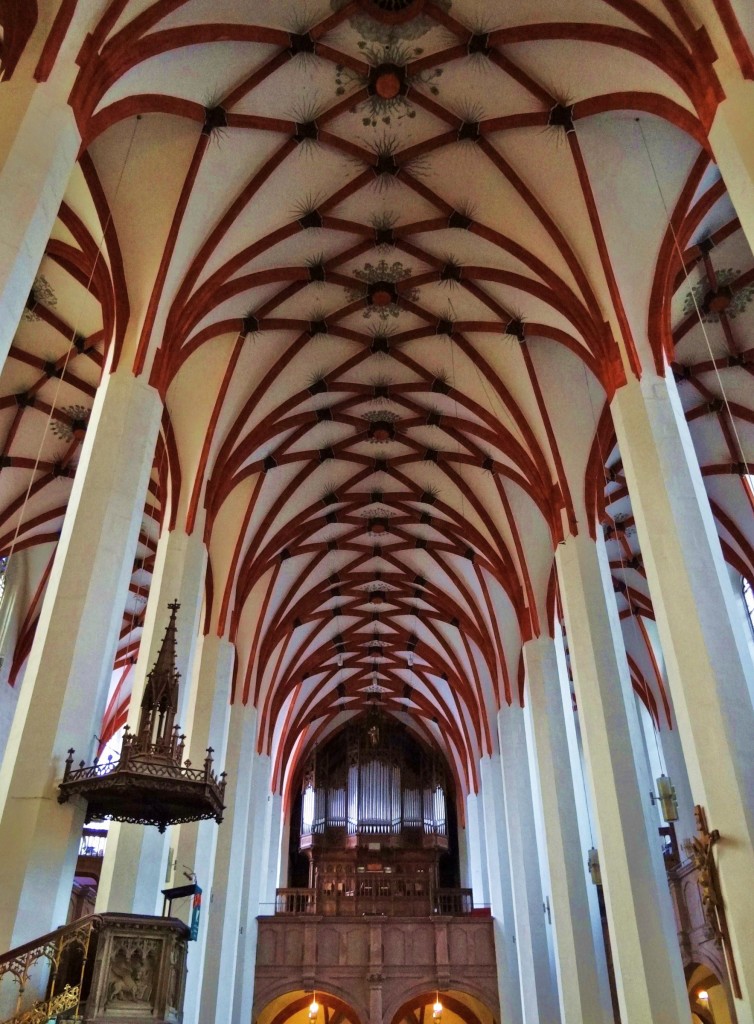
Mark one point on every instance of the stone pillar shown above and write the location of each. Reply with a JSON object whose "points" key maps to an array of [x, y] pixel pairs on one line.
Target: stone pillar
{"points": [[133, 869], [234, 847], [23, 576], [284, 846], [197, 842], [34, 175], [581, 967], [732, 140], [675, 767], [539, 1000], [70, 664], [39, 144], [375, 976], [477, 851], [706, 656], [501, 901], [270, 867], [647, 961], [258, 841]]}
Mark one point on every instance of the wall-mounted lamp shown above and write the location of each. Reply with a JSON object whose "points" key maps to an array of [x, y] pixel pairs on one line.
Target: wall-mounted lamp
{"points": [[437, 1010], [702, 995], [666, 798], [593, 864], [314, 1008]]}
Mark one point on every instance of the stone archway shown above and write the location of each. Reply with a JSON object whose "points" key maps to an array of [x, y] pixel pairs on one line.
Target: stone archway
{"points": [[709, 997], [296, 1007], [457, 1008]]}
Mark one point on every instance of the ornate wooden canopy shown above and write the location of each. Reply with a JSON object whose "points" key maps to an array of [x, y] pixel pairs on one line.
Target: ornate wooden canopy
{"points": [[149, 784]]}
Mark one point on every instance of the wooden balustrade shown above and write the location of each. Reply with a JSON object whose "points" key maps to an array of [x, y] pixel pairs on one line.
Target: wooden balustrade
{"points": [[378, 895]]}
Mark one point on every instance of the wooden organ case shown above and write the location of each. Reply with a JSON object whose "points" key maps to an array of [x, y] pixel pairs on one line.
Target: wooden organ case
{"points": [[374, 821]]}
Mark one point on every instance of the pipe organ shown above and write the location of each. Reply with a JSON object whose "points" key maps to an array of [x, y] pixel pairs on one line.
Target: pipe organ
{"points": [[373, 818]]}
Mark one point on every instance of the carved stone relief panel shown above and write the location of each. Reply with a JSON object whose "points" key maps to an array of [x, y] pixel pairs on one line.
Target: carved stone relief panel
{"points": [[132, 972], [139, 971]]}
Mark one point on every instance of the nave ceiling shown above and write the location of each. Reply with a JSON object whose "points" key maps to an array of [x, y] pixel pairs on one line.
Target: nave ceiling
{"points": [[387, 264]]}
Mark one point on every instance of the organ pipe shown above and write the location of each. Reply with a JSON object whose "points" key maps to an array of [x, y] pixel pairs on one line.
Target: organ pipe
{"points": [[377, 782]]}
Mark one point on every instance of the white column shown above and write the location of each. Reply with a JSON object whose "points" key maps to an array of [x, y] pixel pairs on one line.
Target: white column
{"points": [[477, 850], [133, 869], [285, 845], [270, 867], [501, 901], [464, 867], [706, 656], [23, 576], [580, 963], [234, 848], [259, 841], [538, 996], [732, 141], [64, 690], [647, 961], [39, 144], [675, 767], [197, 842], [33, 179]]}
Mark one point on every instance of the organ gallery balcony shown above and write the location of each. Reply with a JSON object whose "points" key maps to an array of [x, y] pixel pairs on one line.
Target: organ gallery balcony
{"points": [[376, 894]]}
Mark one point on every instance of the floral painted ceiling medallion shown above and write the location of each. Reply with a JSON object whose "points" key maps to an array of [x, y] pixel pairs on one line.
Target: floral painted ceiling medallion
{"points": [[727, 297], [74, 423], [381, 426], [42, 294], [384, 21], [387, 83], [381, 293]]}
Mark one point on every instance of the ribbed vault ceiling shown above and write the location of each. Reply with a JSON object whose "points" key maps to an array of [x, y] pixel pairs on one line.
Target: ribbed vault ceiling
{"points": [[385, 261]]}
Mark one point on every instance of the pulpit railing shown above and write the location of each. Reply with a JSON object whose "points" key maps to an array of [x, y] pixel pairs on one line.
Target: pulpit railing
{"points": [[45, 977]]}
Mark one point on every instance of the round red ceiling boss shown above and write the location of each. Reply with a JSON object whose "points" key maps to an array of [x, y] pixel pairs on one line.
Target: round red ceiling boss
{"points": [[387, 85]]}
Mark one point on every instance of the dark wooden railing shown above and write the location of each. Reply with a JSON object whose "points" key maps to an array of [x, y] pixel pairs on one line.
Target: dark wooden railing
{"points": [[380, 897]]}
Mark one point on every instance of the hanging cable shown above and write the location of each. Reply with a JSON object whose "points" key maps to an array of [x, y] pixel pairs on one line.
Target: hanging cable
{"points": [[676, 244], [72, 346]]}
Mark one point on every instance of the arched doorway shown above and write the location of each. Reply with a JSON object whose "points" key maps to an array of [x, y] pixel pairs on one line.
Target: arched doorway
{"points": [[450, 1007], [308, 1007], [708, 997]]}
